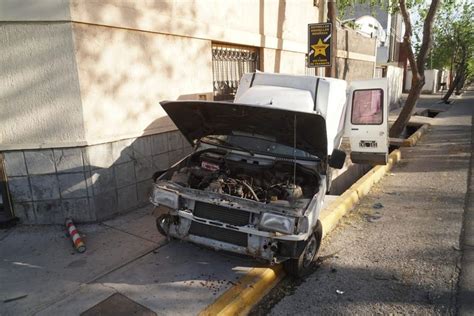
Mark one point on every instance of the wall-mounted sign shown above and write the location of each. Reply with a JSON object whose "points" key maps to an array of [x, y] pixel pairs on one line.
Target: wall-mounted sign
{"points": [[319, 45]]}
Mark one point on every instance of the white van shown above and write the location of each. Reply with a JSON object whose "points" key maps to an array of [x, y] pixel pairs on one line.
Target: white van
{"points": [[256, 180]]}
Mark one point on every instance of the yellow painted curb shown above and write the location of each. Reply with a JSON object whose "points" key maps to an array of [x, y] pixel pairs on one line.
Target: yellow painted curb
{"points": [[344, 203], [415, 137], [252, 287]]}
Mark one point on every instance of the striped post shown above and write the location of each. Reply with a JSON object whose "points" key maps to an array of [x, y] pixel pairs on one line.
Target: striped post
{"points": [[76, 238]]}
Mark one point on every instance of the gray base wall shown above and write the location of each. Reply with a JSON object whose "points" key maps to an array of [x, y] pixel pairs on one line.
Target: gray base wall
{"points": [[90, 183]]}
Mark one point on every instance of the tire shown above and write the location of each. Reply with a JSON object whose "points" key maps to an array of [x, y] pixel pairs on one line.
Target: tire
{"points": [[163, 221], [301, 266]]}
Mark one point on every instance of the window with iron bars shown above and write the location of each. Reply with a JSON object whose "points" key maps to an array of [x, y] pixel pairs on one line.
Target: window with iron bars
{"points": [[229, 63]]}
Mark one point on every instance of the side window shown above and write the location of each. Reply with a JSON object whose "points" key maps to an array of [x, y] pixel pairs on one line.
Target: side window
{"points": [[367, 107]]}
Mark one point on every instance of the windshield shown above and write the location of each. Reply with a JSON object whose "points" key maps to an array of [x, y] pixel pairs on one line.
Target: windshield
{"points": [[254, 144]]}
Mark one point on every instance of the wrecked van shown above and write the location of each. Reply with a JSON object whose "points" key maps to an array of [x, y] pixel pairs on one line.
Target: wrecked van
{"points": [[261, 166]]}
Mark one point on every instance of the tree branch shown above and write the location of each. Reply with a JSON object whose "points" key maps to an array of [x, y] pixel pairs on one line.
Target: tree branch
{"points": [[427, 33], [407, 38]]}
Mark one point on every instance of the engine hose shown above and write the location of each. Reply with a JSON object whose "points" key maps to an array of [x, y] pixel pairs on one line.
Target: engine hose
{"points": [[251, 191]]}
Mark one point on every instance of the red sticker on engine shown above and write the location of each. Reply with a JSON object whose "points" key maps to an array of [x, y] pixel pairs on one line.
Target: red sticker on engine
{"points": [[209, 166]]}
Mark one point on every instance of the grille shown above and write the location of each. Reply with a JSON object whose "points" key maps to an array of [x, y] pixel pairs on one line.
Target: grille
{"points": [[216, 233], [222, 214]]}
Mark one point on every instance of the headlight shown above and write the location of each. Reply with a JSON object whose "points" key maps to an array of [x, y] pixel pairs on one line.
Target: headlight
{"points": [[278, 223], [303, 225], [165, 198]]}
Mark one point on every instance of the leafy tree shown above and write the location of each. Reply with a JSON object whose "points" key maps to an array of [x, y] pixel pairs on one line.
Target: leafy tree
{"points": [[418, 60], [454, 44]]}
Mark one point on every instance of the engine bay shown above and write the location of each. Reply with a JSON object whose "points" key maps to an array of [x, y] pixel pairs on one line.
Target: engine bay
{"points": [[269, 181]]}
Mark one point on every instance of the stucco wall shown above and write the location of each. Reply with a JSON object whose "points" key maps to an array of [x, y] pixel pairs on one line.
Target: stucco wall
{"points": [[355, 55], [270, 23], [162, 51], [124, 74], [100, 77], [34, 10], [274, 60], [40, 101], [395, 85], [431, 81]]}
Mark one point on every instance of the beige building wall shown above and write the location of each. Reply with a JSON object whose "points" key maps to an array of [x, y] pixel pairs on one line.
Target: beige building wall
{"points": [[356, 55], [123, 74], [263, 23], [132, 54], [99, 77], [40, 99], [81, 129]]}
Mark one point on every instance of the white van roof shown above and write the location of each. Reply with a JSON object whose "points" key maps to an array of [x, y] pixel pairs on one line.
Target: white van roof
{"points": [[310, 94]]}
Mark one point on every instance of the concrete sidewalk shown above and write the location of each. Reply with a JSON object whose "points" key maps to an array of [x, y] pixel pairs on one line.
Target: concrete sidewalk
{"points": [[40, 273], [399, 251], [465, 299]]}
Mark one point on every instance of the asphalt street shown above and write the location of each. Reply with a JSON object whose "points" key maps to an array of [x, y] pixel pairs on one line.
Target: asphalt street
{"points": [[399, 251]]}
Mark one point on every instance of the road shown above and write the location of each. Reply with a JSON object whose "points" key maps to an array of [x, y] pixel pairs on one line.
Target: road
{"points": [[398, 252]]}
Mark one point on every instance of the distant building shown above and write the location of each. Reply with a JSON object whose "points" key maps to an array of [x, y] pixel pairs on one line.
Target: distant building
{"points": [[388, 30], [377, 22]]}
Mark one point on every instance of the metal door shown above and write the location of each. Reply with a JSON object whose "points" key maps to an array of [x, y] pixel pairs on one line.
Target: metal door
{"points": [[367, 121]]}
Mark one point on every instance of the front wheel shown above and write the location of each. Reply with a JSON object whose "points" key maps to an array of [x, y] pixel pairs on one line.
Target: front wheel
{"points": [[301, 266], [163, 224]]}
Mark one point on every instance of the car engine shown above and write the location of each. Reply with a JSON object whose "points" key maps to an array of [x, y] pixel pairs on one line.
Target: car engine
{"points": [[268, 182]]}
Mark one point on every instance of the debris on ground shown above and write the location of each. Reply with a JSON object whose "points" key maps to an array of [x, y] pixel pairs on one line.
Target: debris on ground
{"points": [[16, 298], [339, 292], [377, 206], [75, 237], [373, 218]]}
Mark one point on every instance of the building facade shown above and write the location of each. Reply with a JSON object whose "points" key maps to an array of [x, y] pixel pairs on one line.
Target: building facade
{"points": [[81, 128]]}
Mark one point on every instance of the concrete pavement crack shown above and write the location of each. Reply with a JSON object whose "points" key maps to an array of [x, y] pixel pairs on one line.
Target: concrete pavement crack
{"points": [[129, 233]]}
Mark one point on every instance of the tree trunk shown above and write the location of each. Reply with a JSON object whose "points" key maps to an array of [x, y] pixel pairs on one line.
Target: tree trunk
{"points": [[461, 69], [451, 89], [461, 83], [416, 85], [332, 14], [417, 64]]}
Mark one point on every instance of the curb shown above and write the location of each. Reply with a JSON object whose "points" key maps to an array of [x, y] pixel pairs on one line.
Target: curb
{"points": [[253, 286], [249, 290], [415, 137]]}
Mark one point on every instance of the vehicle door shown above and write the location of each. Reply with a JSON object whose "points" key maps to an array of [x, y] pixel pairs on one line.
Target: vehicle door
{"points": [[367, 121]]}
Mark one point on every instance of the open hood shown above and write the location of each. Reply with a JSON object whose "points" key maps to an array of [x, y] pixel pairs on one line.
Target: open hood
{"points": [[196, 119]]}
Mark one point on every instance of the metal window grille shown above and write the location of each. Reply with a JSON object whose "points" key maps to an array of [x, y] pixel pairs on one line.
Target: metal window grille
{"points": [[229, 63]]}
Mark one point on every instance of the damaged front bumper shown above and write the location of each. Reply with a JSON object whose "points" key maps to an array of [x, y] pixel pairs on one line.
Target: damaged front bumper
{"points": [[224, 222]]}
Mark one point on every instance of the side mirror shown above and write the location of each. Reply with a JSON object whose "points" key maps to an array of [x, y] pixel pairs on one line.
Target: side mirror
{"points": [[337, 159]]}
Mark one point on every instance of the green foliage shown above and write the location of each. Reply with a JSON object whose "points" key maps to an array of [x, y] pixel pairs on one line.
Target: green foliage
{"points": [[453, 36], [347, 6], [390, 6]]}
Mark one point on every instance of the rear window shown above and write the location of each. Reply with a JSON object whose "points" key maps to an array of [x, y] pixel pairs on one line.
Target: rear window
{"points": [[367, 107]]}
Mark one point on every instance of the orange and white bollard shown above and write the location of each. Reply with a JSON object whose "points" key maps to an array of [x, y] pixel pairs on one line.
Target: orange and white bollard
{"points": [[74, 234]]}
